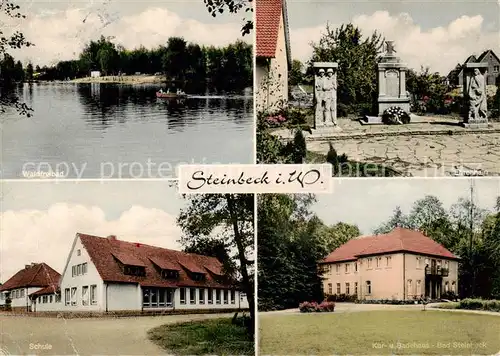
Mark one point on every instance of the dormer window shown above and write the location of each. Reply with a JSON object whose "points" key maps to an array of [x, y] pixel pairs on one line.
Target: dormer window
{"points": [[198, 276], [134, 270], [169, 274]]}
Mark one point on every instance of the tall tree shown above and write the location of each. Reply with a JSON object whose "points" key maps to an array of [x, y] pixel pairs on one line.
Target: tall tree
{"points": [[14, 40], [295, 75], [175, 58], [398, 219], [229, 218], [357, 58], [29, 72]]}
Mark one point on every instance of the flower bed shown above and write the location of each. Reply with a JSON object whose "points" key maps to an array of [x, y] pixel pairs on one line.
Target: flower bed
{"points": [[313, 307]]}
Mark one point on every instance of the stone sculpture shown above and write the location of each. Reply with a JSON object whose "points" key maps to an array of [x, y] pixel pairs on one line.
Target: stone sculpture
{"points": [[325, 93], [476, 113]]}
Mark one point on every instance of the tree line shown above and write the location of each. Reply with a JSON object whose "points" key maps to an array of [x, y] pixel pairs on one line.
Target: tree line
{"points": [[223, 68], [292, 239]]}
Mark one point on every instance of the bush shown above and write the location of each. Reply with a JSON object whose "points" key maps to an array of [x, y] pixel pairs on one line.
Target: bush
{"points": [[313, 307], [480, 304], [347, 298], [449, 295]]}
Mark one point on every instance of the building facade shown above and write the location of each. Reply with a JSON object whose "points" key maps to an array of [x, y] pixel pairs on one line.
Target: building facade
{"points": [[273, 56], [402, 265], [104, 274], [491, 59]]}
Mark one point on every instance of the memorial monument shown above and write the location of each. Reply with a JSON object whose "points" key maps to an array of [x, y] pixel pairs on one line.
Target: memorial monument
{"points": [[325, 94], [391, 84], [476, 109]]}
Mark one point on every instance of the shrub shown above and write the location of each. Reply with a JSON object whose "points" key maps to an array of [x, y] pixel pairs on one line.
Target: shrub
{"points": [[480, 304], [349, 298], [313, 307], [395, 116], [449, 295]]}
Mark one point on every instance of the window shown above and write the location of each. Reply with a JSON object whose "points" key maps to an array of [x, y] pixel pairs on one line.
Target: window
{"points": [[368, 287], [356, 288], [73, 271], [233, 296], [169, 297], [210, 297], [73, 296], [388, 261], [198, 276], [22, 293], [201, 295], [330, 289], [379, 262], [439, 263], [183, 295], [78, 252], [446, 286], [66, 296], [192, 295], [347, 289], [78, 270], [44, 299], [217, 296], [58, 298], [347, 268], [337, 269], [453, 287], [226, 296], [134, 271], [84, 268], [169, 274], [156, 297], [446, 264], [496, 69], [426, 262], [85, 295], [51, 299], [408, 292], [338, 288], [419, 262], [355, 266], [93, 294], [369, 263]]}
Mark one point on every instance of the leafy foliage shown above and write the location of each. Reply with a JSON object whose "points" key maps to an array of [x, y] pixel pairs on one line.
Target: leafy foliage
{"points": [[216, 7], [221, 223], [11, 72], [313, 307], [291, 242], [357, 58]]}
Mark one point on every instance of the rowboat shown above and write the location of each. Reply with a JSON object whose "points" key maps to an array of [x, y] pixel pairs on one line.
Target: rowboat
{"points": [[164, 95]]}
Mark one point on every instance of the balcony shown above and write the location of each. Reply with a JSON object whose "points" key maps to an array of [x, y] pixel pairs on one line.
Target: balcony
{"points": [[437, 271]]}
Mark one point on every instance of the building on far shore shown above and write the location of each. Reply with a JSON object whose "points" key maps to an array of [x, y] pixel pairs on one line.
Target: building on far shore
{"points": [[403, 264], [456, 76], [104, 274], [273, 55]]}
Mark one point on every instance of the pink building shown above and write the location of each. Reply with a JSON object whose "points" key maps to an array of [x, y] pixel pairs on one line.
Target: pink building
{"points": [[403, 264]]}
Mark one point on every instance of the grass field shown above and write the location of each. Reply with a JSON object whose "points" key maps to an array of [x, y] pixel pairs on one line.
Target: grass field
{"points": [[379, 333], [207, 337]]}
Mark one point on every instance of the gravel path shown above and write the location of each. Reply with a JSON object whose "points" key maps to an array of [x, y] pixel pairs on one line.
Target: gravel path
{"points": [[94, 336]]}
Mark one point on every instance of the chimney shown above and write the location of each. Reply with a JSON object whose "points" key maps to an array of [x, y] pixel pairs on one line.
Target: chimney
{"points": [[112, 237]]}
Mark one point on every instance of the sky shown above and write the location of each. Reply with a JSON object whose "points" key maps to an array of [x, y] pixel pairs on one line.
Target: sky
{"points": [[438, 34], [368, 203], [39, 220], [59, 29]]}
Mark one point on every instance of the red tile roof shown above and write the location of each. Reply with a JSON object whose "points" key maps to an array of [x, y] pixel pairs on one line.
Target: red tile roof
{"points": [[101, 251], [35, 275], [268, 17], [53, 288], [398, 240]]}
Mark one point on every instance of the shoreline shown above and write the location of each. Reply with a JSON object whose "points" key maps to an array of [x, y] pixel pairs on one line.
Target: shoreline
{"points": [[124, 79]]}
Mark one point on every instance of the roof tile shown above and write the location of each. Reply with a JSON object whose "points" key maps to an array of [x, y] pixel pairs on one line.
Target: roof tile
{"points": [[268, 17]]}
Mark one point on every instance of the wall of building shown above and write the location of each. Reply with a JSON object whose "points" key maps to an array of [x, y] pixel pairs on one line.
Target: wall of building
{"points": [[238, 303], [272, 81], [48, 303], [388, 280], [493, 68], [90, 278], [123, 296]]}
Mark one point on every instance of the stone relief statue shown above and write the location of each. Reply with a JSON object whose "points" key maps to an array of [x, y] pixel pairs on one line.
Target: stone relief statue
{"points": [[477, 96], [325, 94]]}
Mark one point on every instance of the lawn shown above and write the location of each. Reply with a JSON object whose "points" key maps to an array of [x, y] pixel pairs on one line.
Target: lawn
{"points": [[212, 337], [379, 332]]}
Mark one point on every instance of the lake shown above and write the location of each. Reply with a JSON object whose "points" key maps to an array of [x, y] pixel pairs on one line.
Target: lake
{"points": [[121, 131]]}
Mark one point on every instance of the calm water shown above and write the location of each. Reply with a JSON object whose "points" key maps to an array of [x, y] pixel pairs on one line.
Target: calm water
{"points": [[111, 131]]}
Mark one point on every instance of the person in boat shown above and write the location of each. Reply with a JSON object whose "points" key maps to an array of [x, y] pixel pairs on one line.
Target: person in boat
{"points": [[160, 91]]}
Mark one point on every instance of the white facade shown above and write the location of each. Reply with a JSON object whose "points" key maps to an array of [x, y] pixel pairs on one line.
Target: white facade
{"points": [[272, 76], [95, 74], [50, 302]]}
